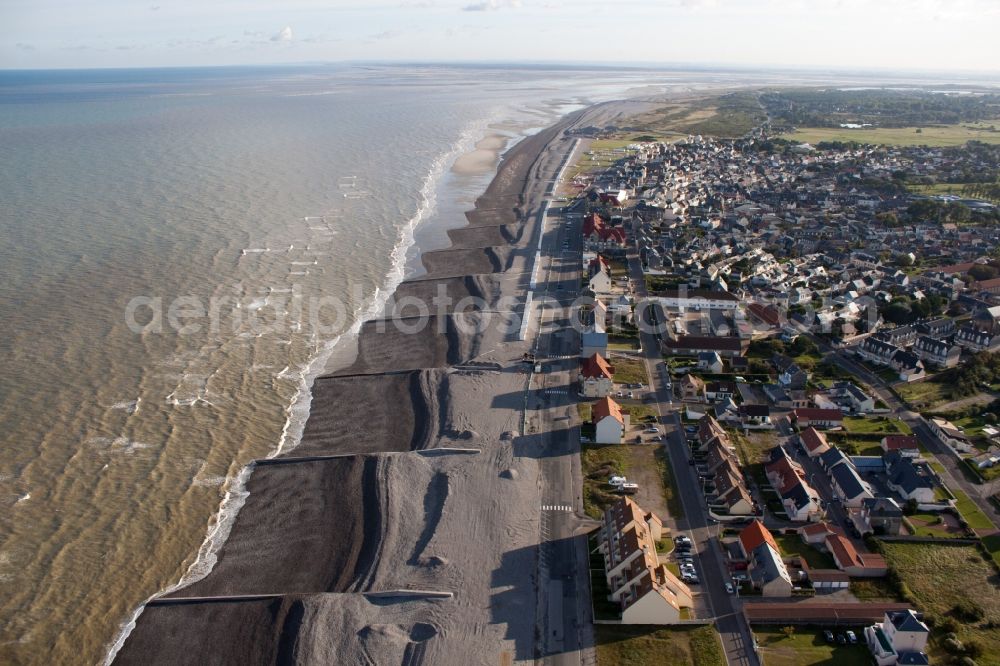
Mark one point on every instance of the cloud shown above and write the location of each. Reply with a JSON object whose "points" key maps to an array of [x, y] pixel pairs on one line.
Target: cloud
{"points": [[21, 46], [491, 5], [386, 34], [285, 35]]}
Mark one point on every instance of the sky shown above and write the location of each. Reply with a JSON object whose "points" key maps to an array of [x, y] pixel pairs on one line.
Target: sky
{"points": [[910, 35]]}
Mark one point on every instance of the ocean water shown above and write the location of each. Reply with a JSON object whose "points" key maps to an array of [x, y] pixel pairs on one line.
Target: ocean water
{"points": [[179, 250]]}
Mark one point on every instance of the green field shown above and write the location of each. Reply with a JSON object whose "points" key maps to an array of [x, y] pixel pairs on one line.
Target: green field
{"points": [[973, 515], [939, 135], [793, 546], [670, 493], [629, 370], [923, 395], [992, 544], [643, 645], [875, 425], [941, 577], [807, 646], [599, 462]]}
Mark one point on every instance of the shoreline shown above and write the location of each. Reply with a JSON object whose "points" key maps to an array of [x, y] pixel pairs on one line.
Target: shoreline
{"points": [[489, 211]]}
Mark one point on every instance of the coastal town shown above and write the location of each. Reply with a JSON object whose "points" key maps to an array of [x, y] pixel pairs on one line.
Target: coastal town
{"points": [[788, 395]]}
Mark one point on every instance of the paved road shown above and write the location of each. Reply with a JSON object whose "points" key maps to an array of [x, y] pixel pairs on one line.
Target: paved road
{"points": [[737, 640], [564, 613]]}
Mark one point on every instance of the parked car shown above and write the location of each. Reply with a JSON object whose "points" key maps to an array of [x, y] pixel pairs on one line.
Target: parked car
{"points": [[729, 588], [842, 639], [852, 637], [828, 635]]}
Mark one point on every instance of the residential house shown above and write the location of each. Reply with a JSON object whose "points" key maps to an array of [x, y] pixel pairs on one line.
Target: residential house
{"points": [[814, 442], [696, 299], [818, 418], [709, 429], [754, 535], [732, 493], [800, 501], [609, 421], [755, 416], [594, 336], [977, 340], [692, 388], [596, 377], [936, 328], [646, 590], [950, 434], [600, 283], [790, 375], [692, 345], [901, 336], [719, 390], [939, 353], [710, 362], [854, 397], [853, 563], [848, 485], [768, 572], [880, 516], [900, 638], [912, 479], [906, 445]]}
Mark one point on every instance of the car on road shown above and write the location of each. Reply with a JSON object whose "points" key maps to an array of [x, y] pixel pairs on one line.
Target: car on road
{"points": [[729, 588], [691, 429], [852, 637]]}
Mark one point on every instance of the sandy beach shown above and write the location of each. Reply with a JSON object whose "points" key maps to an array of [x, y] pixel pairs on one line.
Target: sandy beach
{"points": [[413, 475], [484, 158]]}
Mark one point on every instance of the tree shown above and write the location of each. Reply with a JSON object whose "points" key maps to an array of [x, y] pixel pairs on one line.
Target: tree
{"points": [[788, 631], [982, 272]]}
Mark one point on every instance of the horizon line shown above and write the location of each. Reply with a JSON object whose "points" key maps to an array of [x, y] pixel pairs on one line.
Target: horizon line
{"points": [[651, 66]]}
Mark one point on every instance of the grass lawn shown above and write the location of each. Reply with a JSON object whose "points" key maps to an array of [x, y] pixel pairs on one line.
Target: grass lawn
{"points": [[940, 576], [992, 544], [670, 493], [599, 462], [645, 645], [937, 135], [639, 411], [923, 395], [932, 525], [973, 515], [792, 546], [807, 646], [873, 589], [623, 344], [629, 370], [875, 425]]}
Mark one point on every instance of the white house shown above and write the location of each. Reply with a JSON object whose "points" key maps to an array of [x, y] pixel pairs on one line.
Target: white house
{"points": [[697, 299], [600, 283], [900, 638], [609, 421], [950, 434]]}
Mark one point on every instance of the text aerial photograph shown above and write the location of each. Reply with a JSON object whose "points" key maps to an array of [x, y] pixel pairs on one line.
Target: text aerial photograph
{"points": [[496, 332]]}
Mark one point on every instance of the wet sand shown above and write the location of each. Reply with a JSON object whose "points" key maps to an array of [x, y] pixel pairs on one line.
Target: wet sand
{"points": [[484, 157], [430, 486]]}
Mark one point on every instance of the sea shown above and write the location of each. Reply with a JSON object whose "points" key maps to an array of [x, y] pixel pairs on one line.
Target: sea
{"points": [[180, 250]]}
